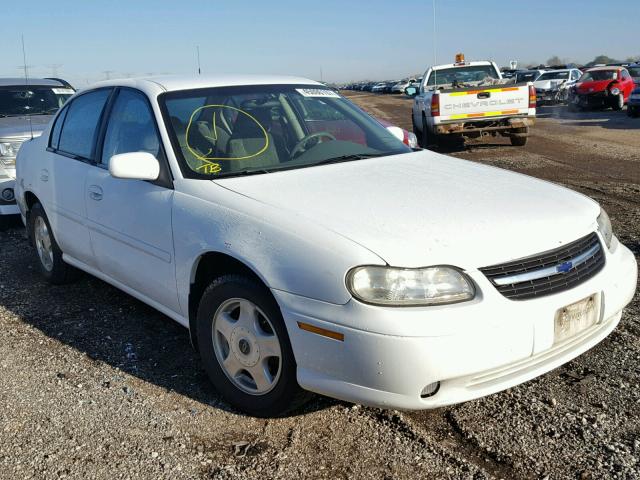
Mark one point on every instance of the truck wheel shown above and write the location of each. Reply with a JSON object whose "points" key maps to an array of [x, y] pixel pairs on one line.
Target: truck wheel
{"points": [[52, 266], [245, 348], [632, 111], [427, 139], [618, 102], [416, 132], [519, 136]]}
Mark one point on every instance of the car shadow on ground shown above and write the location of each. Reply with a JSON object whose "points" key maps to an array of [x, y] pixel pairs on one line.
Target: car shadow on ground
{"points": [[108, 326], [605, 118]]}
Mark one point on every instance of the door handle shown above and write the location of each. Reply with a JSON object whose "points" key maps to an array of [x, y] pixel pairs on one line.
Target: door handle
{"points": [[44, 175], [95, 192], [483, 95]]}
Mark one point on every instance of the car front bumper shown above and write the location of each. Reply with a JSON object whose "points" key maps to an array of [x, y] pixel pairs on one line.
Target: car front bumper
{"points": [[388, 355]]}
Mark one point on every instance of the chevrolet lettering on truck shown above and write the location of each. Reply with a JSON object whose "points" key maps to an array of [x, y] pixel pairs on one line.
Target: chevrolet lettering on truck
{"points": [[469, 100]]}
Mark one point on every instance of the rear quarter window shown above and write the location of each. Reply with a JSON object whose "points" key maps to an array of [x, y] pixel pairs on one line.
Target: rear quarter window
{"points": [[57, 128]]}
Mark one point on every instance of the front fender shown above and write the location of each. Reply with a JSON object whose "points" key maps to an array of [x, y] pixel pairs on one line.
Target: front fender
{"points": [[288, 252]]}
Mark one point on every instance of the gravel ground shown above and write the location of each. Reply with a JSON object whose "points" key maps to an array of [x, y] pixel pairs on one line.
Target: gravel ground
{"points": [[94, 384]]}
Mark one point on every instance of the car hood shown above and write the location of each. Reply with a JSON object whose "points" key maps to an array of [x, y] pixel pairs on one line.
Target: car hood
{"points": [[548, 84], [19, 126], [423, 208], [591, 87]]}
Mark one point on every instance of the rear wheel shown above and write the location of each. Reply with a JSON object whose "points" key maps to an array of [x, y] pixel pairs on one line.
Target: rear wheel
{"points": [[416, 132], [519, 137], [52, 266], [426, 138], [245, 348]]}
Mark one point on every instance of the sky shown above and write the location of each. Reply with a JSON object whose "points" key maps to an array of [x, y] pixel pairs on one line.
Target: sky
{"points": [[337, 41]]}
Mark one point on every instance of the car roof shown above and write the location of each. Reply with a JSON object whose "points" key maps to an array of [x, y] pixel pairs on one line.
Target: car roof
{"points": [[170, 83], [12, 81], [610, 67], [559, 70]]}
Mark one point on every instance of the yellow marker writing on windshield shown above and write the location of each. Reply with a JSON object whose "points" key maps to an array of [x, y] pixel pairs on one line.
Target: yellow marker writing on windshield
{"points": [[206, 158]]}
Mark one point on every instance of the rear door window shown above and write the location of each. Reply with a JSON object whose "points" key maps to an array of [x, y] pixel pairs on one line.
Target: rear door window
{"points": [[81, 124]]}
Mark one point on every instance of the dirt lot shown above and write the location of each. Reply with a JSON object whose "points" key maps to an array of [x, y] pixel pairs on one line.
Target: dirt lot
{"points": [[94, 384]]}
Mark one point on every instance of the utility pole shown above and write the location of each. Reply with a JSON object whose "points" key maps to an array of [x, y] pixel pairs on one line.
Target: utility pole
{"points": [[25, 70], [54, 69]]}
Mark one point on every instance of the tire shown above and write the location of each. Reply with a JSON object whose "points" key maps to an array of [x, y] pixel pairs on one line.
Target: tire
{"points": [[632, 111], [573, 107], [416, 132], [237, 322], [4, 223], [426, 138], [618, 103], [519, 137], [52, 267]]}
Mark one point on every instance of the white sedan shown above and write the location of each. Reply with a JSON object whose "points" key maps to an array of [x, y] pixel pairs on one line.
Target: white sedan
{"points": [[307, 248]]}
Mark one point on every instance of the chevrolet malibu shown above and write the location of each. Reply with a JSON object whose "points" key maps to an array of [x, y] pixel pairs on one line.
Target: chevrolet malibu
{"points": [[306, 248]]}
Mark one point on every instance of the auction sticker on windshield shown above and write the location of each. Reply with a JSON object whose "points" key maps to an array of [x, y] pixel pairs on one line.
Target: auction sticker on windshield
{"points": [[575, 318], [63, 91], [317, 92]]}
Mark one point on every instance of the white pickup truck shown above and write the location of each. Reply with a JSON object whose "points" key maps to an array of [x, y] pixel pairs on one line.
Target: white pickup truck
{"points": [[471, 99]]}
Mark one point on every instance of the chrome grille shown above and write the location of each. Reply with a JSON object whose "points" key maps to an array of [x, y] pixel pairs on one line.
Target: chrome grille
{"points": [[549, 272]]}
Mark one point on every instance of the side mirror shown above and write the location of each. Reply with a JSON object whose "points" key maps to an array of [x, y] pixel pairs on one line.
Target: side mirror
{"points": [[411, 91], [134, 166]]}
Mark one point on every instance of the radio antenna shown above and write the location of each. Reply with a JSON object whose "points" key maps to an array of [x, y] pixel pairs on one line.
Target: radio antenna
{"points": [[198, 55], [435, 59], [26, 83]]}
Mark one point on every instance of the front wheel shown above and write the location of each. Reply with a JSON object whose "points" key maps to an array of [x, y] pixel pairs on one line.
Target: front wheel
{"points": [[618, 102], [245, 348], [52, 266]]}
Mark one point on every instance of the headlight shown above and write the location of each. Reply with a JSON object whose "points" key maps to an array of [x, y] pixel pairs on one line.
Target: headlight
{"points": [[8, 151], [402, 287], [615, 91], [604, 227]]}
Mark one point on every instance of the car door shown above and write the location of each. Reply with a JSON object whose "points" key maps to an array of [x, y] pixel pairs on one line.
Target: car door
{"points": [[627, 84], [71, 151], [130, 220]]}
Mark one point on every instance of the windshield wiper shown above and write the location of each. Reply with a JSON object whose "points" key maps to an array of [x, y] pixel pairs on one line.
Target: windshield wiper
{"points": [[348, 158], [341, 158], [242, 173]]}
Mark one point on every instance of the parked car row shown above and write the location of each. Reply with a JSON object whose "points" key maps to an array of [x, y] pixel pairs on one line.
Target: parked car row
{"points": [[603, 86], [393, 86]]}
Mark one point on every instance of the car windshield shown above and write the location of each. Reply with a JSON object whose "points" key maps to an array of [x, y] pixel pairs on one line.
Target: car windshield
{"points": [[553, 76], [462, 75], [528, 76], [231, 131], [598, 75], [32, 100]]}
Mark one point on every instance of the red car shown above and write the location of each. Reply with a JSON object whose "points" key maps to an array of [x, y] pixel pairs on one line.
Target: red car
{"points": [[602, 87]]}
